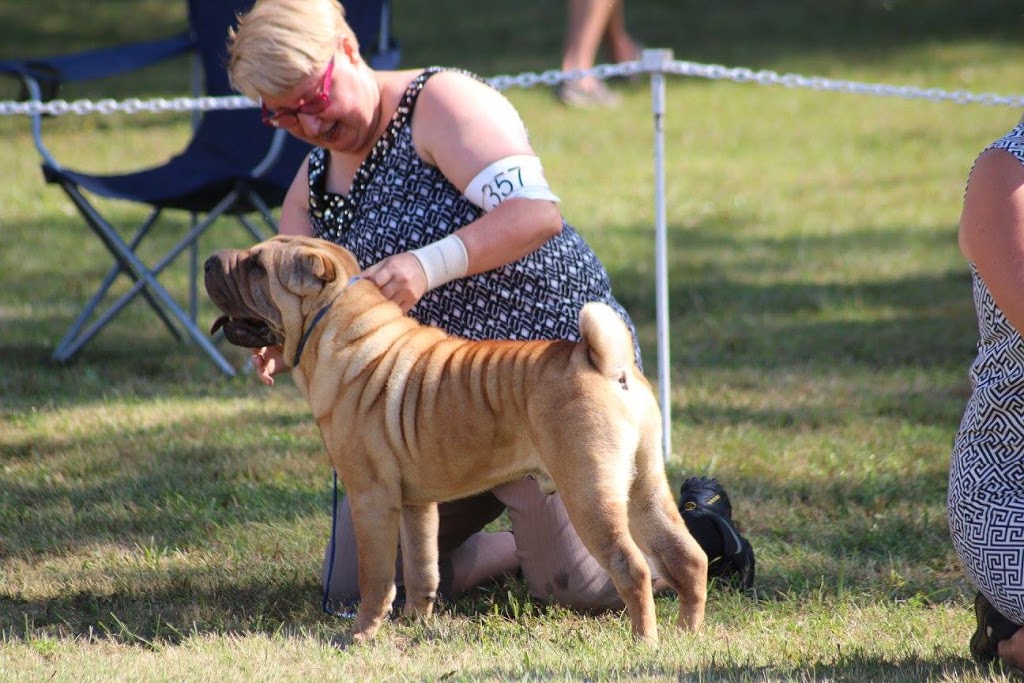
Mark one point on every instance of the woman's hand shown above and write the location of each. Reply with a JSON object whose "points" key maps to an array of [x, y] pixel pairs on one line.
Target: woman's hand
{"points": [[400, 278], [267, 361]]}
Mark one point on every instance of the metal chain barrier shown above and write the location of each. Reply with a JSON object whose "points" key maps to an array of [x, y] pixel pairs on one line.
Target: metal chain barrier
{"points": [[764, 77], [546, 78], [130, 106]]}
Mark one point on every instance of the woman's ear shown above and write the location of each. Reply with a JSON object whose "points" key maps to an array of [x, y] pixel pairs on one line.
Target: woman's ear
{"points": [[348, 47]]}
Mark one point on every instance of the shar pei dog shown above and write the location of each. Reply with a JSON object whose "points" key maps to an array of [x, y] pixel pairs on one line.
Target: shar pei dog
{"points": [[411, 416]]}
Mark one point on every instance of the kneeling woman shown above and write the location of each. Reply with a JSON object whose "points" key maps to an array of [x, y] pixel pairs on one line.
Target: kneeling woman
{"points": [[986, 478]]}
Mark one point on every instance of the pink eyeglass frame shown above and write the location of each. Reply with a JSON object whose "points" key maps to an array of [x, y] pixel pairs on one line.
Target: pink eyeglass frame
{"points": [[314, 105]]}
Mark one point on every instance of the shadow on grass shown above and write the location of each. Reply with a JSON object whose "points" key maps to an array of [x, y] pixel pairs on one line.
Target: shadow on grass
{"points": [[879, 534], [853, 667], [849, 536], [854, 532], [113, 365], [920, 320], [173, 484], [848, 533], [816, 319], [190, 605]]}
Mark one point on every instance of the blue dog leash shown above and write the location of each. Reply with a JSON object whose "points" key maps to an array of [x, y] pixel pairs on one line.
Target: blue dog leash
{"points": [[325, 603]]}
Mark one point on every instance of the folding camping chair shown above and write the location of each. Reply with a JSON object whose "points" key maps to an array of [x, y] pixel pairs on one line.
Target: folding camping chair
{"points": [[232, 166]]}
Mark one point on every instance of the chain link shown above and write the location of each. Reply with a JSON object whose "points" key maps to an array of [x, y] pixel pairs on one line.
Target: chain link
{"points": [[132, 105], [545, 78], [553, 77], [764, 77]]}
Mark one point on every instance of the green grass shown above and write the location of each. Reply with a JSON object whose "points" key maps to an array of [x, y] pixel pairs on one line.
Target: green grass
{"points": [[160, 522]]}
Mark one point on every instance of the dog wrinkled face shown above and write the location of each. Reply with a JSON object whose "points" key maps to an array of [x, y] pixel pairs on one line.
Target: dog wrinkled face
{"points": [[260, 290], [239, 284]]}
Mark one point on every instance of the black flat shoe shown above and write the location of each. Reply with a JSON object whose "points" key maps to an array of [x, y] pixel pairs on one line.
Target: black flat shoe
{"points": [[707, 512], [992, 628]]}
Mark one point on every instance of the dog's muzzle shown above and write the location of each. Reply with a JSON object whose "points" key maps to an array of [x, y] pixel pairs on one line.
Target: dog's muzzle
{"points": [[240, 327], [248, 333]]}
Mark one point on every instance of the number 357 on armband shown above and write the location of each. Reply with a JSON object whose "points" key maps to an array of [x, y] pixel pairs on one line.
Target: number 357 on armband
{"points": [[515, 176], [501, 186]]}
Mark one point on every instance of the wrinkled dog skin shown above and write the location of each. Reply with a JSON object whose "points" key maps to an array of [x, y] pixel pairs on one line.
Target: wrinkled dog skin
{"points": [[411, 416]]}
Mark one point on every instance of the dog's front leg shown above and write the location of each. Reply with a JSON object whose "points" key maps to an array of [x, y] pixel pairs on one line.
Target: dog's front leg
{"points": [[419, 558], [375, 518]]}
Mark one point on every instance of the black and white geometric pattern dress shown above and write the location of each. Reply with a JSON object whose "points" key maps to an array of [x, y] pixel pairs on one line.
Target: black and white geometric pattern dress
{"points": [[986, 477], [398, 202]]}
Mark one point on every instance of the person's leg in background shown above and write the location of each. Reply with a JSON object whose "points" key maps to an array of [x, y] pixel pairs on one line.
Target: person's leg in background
{"points": [[617, 40], [586, 24]]}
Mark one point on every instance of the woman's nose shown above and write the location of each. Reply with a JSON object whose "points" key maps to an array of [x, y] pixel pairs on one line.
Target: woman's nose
{"points": [[310, 124]]}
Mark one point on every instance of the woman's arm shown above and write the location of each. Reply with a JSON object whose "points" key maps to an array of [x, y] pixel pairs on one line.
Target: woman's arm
{"points": [[462, 126], [295, 208], [992, 229], [463, 140]]}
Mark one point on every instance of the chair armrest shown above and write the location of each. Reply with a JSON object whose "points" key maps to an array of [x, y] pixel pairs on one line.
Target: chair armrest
{"points": [[36, 85], [98, 63], [273, 152], [42, 77]]}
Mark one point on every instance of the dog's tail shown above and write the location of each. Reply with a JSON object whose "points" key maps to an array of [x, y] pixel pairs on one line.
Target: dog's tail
{"points": [[608, 339]]}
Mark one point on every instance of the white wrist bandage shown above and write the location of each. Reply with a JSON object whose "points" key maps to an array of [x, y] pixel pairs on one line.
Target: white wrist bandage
{"points": [[443, 261], [515, 176]]}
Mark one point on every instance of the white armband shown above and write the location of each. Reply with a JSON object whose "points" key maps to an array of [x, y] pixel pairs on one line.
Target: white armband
{"points": [[520, 175], [443, 261]]}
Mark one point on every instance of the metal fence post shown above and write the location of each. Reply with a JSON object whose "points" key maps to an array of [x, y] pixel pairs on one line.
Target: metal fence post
{"points": [[655, 62]]}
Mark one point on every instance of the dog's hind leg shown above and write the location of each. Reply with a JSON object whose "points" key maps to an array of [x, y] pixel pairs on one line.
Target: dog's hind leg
{"points": [[375, 518], [660, 531], [419, 558], [599, 517]]}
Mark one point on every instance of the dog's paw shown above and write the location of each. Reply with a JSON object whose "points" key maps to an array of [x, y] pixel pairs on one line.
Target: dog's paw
{"points": [[366, 628], [359, 637]]}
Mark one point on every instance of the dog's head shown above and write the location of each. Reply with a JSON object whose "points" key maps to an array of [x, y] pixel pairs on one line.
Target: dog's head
{"points": [[265, 292]]}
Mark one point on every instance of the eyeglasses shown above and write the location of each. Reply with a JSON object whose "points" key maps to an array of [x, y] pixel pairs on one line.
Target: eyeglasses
{"points": [[289, 117]]}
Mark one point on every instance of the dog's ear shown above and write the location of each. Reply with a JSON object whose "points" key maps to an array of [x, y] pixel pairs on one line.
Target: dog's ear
{"points": [[310, 271], [320, 266]]}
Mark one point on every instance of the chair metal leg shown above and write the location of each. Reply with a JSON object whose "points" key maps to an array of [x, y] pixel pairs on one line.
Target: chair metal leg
{"points": [[67, 347], [264, 211], [145, 280], [193, 276], [254, 229]]}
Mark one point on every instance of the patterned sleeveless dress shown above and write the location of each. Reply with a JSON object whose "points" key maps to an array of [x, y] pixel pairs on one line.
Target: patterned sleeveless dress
{"points": [[986, 479], [398, 202]]}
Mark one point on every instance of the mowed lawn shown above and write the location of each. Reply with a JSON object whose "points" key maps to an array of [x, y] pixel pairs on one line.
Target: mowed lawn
{"points": [[160, 522]]}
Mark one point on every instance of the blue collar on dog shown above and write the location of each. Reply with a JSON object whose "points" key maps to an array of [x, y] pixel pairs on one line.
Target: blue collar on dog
{"points": [[317, 318]]}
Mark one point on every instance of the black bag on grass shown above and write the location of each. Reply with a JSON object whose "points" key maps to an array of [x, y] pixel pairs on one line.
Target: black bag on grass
{"points": [[706, 509]]}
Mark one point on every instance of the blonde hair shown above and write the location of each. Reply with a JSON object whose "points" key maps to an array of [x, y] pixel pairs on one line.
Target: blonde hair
{"points": [[280, 43]]}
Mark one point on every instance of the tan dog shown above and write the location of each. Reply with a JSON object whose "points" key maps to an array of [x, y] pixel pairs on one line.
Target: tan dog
{"points": [[411, 416]]}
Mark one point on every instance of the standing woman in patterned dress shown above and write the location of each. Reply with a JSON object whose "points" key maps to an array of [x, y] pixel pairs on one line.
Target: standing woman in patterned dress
{"points": [[428, 177], [986, 479]]}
